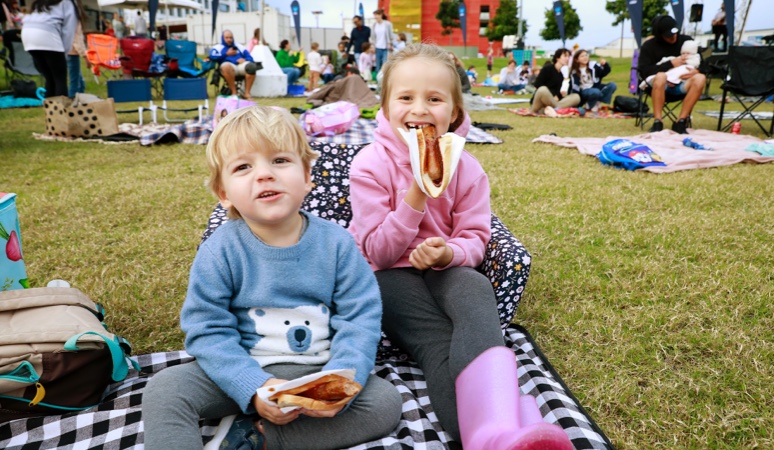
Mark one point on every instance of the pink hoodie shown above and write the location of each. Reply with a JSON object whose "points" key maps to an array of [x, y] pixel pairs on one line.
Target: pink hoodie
{"points": [[387, 229]]}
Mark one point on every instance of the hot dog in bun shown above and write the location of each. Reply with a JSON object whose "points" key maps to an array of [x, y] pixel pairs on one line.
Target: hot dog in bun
{"points": [[435, 160], [323, 394]]}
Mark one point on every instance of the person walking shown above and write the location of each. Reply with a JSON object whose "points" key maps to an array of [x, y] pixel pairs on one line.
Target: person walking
{"points": [[358, 36], [382, 38], [77, 50]]}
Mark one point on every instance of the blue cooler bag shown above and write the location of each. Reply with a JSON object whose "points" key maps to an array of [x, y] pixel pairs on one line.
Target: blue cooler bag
{"points": [[12, 272], [628, 155]]}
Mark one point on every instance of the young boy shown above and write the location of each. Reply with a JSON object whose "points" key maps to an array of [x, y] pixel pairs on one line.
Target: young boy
{"points": [[274, 294], [314, 59]]}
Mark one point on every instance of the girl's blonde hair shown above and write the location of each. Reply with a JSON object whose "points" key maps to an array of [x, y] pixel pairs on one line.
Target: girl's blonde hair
{"points": [[431, 53], [256, 128]]}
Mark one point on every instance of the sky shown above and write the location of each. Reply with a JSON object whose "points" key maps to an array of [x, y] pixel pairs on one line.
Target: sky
{"points": [[595, 20]]}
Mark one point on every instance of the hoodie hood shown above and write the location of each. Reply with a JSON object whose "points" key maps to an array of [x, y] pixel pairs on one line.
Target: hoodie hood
{"points": [[394, 145]]}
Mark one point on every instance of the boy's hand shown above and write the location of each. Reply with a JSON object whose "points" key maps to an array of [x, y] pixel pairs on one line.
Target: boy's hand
{"points": [[328, 413], [272, 413], [432, 253]]}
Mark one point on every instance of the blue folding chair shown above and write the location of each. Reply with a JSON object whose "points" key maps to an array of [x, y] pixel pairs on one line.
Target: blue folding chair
{"points": [[188, 64], [182, 89], [139, 90]]}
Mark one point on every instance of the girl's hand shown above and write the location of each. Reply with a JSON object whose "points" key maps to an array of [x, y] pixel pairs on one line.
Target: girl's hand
{"points": [[415, 197], [272, 413], [432, 253]]}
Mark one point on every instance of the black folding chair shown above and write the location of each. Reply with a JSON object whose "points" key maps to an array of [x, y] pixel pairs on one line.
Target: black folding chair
{"points": [[671, 110], [750, 75], [18, 61]]}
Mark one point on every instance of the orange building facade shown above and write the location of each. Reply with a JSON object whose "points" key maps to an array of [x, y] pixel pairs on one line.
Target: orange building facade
{"points": [[418, 18]]}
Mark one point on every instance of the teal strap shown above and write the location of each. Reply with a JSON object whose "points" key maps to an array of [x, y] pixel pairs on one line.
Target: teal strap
{"points": [[120, 368], [24, 373], [49, 405]]}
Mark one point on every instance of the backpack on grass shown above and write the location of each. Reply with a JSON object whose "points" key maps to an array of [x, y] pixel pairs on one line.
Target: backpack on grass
{"points": [[56, 355], [625, 154], [631, 105]]}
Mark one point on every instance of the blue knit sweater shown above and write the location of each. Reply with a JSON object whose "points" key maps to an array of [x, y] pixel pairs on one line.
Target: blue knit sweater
{"points": [[250, 305]]}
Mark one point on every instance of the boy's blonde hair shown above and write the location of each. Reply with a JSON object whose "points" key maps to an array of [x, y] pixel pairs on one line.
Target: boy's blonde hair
{"points": [[254, 129], [314, 46], [432, 53]]}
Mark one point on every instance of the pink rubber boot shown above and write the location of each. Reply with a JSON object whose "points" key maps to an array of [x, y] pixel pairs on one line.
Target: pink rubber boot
{"points": [[491, 414]]}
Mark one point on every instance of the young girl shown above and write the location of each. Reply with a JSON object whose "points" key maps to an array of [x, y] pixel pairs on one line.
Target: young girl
{"points": [[425, 251], [366, 61], [328, 72], [587, 80]]}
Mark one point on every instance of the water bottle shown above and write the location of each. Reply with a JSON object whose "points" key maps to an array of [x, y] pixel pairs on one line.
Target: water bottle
{"points": [[688, 142]]}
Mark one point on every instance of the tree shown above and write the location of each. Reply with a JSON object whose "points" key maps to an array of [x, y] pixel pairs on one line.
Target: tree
{"points": [[449, 15], [650, 9], [572, 26], [505, 22]]}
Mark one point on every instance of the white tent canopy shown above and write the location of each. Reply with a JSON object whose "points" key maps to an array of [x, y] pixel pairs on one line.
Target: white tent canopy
{"points": [[143, 4]]}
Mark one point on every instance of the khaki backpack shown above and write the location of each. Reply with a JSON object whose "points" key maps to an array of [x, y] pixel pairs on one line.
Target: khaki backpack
{"points": [[56, 355]]}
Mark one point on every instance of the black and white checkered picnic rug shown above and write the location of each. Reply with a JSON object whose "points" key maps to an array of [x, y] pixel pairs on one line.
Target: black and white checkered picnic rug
{"points": [[194, 132], [117, 422]]}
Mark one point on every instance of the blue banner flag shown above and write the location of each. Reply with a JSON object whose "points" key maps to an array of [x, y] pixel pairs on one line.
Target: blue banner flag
{"points": [[215, 6], [463, 23], [635, 12], [559, 13], [360, 10], [679, 10], [295, 9], [730, 6], [153, 7]]}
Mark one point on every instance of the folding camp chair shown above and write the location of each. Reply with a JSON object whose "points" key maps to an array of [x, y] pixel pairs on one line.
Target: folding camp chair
{"points": [[671, 110], [138, 55], [178, 89], [123, 91], [750, 74], [18, 62], [188, 64], [102, 53]]}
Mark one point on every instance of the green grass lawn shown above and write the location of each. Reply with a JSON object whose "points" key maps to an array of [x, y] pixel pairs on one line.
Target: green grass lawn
{"points": [[651, 294]]}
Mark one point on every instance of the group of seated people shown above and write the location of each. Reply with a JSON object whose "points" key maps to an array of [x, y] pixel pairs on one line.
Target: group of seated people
{"points": [[568, 80], [235, 60]]}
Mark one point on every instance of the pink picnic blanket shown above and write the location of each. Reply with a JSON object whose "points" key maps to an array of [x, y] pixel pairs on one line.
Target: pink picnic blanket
{"points": [[727, 148]]}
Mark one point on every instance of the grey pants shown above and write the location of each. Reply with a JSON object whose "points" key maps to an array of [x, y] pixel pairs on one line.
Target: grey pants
{"points": [[177, 397], [444, 319]]}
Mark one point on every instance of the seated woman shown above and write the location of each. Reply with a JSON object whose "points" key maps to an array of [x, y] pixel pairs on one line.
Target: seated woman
{"points": [[587, 80], [286, 60], [552, 87], [510, 79]]}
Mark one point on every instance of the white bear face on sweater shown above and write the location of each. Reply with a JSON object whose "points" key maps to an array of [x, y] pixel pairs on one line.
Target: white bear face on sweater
{"points": [[300, 330]]}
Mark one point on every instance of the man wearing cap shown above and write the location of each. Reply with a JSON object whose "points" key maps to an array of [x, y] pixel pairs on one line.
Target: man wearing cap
{"points": [[667, 42]]}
